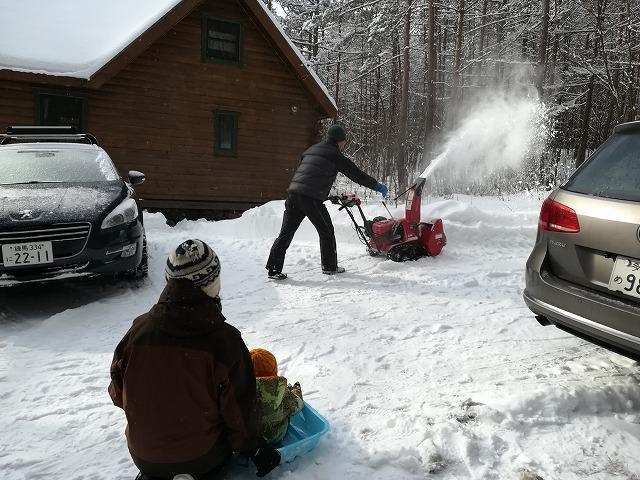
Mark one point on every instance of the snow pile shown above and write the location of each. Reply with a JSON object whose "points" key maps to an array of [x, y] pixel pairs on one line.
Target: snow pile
{"points": [[427, 368]]}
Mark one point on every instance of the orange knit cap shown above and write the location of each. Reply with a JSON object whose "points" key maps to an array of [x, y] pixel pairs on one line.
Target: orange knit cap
{"points": [[264, 363]]}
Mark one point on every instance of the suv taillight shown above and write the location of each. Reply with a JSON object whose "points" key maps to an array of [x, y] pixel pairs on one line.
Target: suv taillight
{"points": [[556, 217]]}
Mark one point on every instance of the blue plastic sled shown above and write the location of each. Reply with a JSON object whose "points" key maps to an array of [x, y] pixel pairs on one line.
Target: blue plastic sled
{"points": [[305, 430]]}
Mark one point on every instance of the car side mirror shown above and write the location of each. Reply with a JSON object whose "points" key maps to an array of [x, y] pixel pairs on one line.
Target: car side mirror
{"points": [[136, 178]]}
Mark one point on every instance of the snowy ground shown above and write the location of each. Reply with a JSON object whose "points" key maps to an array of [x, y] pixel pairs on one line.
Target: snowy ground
{"points": [[432, 368]]}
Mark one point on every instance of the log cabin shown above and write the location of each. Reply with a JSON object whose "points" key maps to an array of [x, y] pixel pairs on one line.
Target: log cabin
{"points": [[208, 98]]}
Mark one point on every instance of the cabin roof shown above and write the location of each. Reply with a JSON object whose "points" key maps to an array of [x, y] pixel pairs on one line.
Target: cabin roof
{"points": [[86, 43]]}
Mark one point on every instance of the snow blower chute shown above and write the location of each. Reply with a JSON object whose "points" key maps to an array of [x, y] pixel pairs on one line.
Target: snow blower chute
{"points": [[400, 239]]}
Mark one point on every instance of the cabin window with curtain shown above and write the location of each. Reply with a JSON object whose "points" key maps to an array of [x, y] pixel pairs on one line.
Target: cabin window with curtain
{"points": [[61, 110], [221, 41], [226, 134]]}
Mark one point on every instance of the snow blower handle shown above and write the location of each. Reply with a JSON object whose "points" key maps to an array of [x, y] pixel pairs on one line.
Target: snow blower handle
{"points": [[345, 200]]}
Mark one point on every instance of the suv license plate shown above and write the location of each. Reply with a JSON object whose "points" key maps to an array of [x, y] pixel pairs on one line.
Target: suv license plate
{"points": [[625, 277], [19, 254]]}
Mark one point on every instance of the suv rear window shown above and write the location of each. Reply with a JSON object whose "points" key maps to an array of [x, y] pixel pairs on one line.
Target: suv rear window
{"points": [[613, 172], [29, 165]]}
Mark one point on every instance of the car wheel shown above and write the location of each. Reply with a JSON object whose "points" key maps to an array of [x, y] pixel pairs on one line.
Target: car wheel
{"points": [[142, 269]]}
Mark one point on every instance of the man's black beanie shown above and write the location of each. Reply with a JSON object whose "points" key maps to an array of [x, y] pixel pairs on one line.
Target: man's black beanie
{"points": [[337, 132]]}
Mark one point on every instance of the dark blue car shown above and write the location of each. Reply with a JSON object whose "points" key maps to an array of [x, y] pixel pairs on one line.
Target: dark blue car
{"points": [[64, 209]]}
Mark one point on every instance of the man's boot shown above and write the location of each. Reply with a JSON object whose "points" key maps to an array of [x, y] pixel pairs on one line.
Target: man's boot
{"points": [[275, 275], [333, 272]]}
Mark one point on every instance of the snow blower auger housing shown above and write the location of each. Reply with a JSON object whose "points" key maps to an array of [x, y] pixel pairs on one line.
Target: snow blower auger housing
{"points": [[400, 239]]}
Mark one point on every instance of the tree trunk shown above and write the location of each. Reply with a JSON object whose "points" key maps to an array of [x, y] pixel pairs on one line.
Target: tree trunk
{"points": [[316, 14], [431, 84], [337, 97], [500, 34], [554, 60], [390, 133], [542, 49], [456, 94], [631, 107], [586, 118], [483, 28], [586, 121], [612, 105], [402, 157]]}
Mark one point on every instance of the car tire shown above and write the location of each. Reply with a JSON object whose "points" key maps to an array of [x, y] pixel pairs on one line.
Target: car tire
{"points": [[142, 270]]}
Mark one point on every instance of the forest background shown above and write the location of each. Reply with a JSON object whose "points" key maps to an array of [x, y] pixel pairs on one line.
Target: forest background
{"points": [[519, 92]]}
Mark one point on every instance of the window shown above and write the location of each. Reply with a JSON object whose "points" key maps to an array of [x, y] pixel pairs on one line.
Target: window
{"points": [[39, 164], [613, 172], [61, 109], [226, 134], [221, 41]]}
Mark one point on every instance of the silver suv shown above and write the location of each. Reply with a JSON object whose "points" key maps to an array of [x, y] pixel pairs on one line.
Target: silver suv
{"points": [[583, 275]]}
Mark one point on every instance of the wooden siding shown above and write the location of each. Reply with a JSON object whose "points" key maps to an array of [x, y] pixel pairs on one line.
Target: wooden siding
{"points": [[157, 116]]}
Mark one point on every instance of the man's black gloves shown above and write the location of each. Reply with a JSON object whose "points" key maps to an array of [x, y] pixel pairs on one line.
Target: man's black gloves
{"points": [[266, 459]]}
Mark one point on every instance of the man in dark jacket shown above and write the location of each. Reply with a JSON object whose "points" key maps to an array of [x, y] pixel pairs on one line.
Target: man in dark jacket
{"points": [[185, 379], [309, 188]]}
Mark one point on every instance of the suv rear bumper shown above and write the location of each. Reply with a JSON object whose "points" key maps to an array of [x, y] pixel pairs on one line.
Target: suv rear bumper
{"points": [[590, 330], [103, 255], [605, 320]]}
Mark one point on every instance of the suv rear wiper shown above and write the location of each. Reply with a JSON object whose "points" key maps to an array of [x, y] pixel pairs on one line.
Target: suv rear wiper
{"points": [[616, 195]]}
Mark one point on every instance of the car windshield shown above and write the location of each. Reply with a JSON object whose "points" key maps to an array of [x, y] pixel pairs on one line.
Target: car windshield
{"points": [[613, 172], [30, 165]]}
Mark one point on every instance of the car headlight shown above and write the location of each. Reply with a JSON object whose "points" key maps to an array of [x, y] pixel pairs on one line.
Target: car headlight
{"points": [[124, 213]]}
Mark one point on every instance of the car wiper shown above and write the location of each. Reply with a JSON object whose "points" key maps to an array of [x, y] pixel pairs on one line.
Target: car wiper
{"points": [[32, 182], [616, 194]]}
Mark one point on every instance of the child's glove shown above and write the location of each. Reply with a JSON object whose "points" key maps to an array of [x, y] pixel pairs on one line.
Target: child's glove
{"points": [[296, 390], [266, 459]]}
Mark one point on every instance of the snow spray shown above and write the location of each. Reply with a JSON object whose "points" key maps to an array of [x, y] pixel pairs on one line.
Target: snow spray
{"points": [[497, 133]]}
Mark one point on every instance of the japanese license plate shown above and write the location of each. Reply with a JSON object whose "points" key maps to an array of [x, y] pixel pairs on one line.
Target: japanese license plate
{"points": [[34, 253], [625, 277]]}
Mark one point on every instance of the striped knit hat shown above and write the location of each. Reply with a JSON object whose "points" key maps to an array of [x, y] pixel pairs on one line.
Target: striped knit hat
{"points": [[194, 260]]}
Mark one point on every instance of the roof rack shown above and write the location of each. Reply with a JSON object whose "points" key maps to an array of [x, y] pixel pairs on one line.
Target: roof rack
{"points": [[33, 134]]}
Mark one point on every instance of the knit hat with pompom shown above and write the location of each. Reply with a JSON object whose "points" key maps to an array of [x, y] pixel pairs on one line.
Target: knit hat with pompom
{"points": [[195, 261]]}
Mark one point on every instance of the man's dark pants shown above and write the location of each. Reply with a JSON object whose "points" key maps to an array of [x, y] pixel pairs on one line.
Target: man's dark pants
{"points": [[297, 207]]}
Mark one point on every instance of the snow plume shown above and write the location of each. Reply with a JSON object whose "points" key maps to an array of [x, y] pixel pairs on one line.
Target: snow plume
{"points": [[498, 133]]}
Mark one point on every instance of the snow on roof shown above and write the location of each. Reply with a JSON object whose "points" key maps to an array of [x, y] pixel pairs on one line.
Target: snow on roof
{"points": [[75, 39], [303, 61], [69, 37]]}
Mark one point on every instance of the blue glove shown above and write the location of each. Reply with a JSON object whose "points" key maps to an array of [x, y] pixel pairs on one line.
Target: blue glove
{"points": [[381, 188]]}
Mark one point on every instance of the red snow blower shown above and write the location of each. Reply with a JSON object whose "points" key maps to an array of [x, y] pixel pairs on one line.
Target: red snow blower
{"points": [[400, 239]]}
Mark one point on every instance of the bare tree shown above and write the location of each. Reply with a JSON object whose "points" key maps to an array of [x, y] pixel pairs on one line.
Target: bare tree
{"points": [[401, 70]]}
